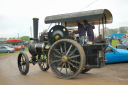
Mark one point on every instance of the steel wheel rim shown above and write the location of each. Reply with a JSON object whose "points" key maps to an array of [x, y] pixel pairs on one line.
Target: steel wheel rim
{"points": [[22, 64]]}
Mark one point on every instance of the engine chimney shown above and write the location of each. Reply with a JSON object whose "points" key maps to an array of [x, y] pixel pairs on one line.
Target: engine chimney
{"points": [[35, 28]]}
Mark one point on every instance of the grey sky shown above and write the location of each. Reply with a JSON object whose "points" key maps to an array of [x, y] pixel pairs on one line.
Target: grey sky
{"points": [[16, 15]]}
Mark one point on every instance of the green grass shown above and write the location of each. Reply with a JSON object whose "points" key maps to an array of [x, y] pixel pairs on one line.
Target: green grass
{"points": [[2, 54], [114, 43]]}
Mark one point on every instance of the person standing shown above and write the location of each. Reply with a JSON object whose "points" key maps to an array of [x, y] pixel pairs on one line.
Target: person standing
{"points": [[119, 40], [22, 46], [110, 40], [82, 32], [89, 28]]}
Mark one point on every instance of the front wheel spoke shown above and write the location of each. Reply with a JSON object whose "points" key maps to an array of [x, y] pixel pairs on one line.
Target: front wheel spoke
{"points": [[62, 67], [72, 52], [56, 61], [22, 58], [57, 51], [69, 50], [23, 68], [75, 61], [72, 65], [74, 56]]}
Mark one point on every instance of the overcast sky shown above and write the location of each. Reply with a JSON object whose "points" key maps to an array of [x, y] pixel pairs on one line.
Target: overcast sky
{"points": [[16, 15]]}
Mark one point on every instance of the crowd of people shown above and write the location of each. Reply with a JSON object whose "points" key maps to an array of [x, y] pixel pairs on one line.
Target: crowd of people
{"points": [[119, 39]]}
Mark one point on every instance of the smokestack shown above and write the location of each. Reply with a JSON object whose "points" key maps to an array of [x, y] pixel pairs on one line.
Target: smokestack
{"points": [[35, 28]]}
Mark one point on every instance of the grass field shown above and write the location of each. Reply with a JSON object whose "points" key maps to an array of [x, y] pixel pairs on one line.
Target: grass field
{"points": [[114, 43]]}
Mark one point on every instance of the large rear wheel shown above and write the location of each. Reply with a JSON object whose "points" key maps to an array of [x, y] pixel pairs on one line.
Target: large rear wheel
{"points": [[64, 55]]}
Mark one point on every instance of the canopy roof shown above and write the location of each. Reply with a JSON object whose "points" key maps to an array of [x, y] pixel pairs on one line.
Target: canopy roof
{"points": [[91, 16]]}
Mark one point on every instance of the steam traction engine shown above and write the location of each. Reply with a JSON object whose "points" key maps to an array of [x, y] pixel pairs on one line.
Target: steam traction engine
{"points": [[66, 57]]}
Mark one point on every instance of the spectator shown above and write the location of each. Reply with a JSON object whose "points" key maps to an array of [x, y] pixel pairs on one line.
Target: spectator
{"points": [[89, 28], [110, 40], [119, 40], [115, 37], [22, 46]]}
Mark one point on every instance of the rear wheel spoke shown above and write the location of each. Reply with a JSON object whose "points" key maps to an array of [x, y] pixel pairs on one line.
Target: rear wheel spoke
{"points": [[72, 52], [72, 65], [74, 56], [57, 51], [62, 67], [66, 69], [68, 50], [59, 64], [75, 61], [61, 49], [55, 61], [56, 56], [65, 47], [69, 67]]}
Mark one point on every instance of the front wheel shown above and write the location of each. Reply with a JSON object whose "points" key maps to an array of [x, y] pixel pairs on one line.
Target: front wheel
{"points": [[64, 55], [23, 63], [43, 64]]}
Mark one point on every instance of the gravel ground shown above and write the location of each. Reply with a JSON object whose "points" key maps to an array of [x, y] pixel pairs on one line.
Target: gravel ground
{"points": [[111, 74]]}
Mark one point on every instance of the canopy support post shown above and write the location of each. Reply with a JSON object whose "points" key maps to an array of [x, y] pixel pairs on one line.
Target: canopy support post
{"points": [[103, 27], [99, 26], [65, 24]]}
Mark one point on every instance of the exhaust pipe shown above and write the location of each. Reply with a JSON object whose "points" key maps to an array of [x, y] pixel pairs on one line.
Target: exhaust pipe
{"points": [[35, 28]]}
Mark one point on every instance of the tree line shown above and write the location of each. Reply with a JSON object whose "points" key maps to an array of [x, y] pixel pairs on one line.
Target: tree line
{"points": [[109, 32], [23, 38]]}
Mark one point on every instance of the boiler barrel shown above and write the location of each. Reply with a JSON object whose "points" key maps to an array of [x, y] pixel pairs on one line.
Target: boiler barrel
{"points": [[36, 48]]}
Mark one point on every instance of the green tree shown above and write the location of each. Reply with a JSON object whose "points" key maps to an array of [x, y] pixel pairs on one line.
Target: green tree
{"points": [[10, 38], [122, 30], [108, 32], [113, 31], [13, 38], [126, 28], [25, 38]]}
